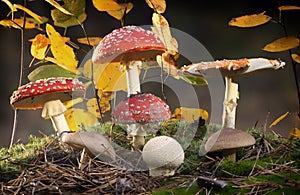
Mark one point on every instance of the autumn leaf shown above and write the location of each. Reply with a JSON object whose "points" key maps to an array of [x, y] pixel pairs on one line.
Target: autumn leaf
{"points": [[48, 71], [189, 114], [276, 121], [119, 14], [294, 134], [92, 106], [108, 5], [39, 46], [194, 80], [58, 6], [77, 7], [282, 44], [296, 58], [79, 119], [107, 77], [168, 64], [18, 23], [161, 29], [73, 102], [250, 20], [288, 7], [93, 41], [159, 6], [38, 18], [63, 54]]}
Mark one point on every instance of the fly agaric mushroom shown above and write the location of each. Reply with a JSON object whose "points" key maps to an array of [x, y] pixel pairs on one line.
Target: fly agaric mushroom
{"points": [[227, 140], [49, 95], [163, 155], [231, 70], [129, 45], [142, 113]]}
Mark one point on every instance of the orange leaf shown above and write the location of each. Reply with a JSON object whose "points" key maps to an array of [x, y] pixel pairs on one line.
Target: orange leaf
{"points": [[288, 7], [282, 44], [18, 23], [250, 20], [158, 5], [93, 41], [39, 46], [296, 58]]}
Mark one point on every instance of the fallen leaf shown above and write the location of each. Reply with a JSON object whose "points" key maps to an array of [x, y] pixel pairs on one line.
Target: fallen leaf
{"points": [[92, 41], [18, 23], [276, 121], [159, 6], [63, 54], [79, 119], [58, 6], [250, 20], [39, 46], [296, 58], [282, 44], [288, 7], [294, 134], [189, 114], [77, 7]]}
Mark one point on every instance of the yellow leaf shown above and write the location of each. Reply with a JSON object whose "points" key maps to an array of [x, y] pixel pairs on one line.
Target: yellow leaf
{"points": [[63, 54], [39, 46], [10, 5], [108, 5], [59, 7], [18, 23], [79, 119], [119, 14], [282, 44], [250, 20], [189, 114], [296, 58], [55, 61], [161, 29], [93, 41], [276, 121], [71, 103], [107, 77], [294, 134], [288, 7], [29, 12], [159, 6], [92, 106]]}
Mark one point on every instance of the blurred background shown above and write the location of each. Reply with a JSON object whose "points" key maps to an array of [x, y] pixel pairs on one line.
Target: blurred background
{"points": [[263, 96]]}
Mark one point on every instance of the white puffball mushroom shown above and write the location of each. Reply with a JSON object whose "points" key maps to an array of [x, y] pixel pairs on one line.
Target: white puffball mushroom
{"points": [[163, 155]]}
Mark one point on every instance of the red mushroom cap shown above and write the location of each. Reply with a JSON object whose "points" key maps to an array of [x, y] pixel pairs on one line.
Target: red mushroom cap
{"points": [[34, 94], [129, 43], [141, 108]]}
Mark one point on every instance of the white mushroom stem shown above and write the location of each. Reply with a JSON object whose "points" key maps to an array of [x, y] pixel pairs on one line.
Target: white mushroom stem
{"points": [[54, 110], [230, 102], [132, 76], [133, 87]]}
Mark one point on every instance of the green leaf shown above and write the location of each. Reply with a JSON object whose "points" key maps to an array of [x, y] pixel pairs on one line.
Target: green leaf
{"points": [[199, 81], [51, 70], [76, 7]]}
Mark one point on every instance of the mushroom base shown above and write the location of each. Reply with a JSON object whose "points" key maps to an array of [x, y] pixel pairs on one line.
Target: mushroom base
{"points": [[161, 171]]}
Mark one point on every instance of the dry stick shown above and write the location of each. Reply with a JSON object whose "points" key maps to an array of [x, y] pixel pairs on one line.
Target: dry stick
{"points": [[20, 76]]}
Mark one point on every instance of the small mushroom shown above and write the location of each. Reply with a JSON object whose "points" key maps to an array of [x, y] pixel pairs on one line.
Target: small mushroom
{"points": [[49, 95], [142, 113], [227, 140], [129, 45], [163, 155], [231, 70]]}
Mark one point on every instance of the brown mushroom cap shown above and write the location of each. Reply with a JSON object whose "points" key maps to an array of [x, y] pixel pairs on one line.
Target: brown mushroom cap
{"points": [[33, 95], [129, 43], [228, 138], [141, 108]]}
